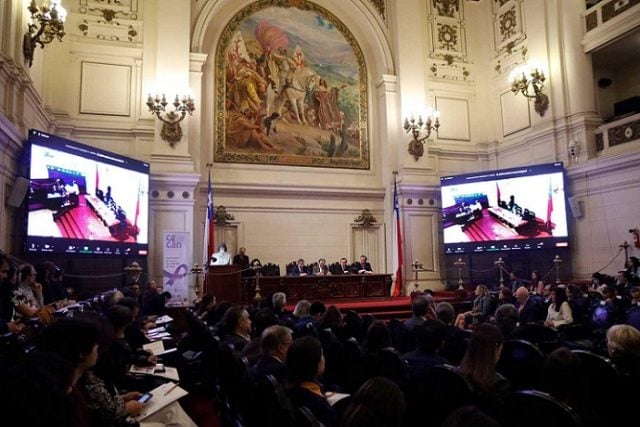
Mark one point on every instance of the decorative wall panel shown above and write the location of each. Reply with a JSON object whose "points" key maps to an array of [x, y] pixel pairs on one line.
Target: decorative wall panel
{"points": [[448, 46], [96, 97], [515, 113], [456, 126]]}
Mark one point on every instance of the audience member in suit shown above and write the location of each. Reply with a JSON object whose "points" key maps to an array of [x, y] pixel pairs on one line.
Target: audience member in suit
{"points": [[242, 260], [299, 269], [305, 364], [420, 308], [261, 320], [343, 268], [377, 403], [530, 309], [579, 304], [321, 269], [363, 267], [515, 281], [275, 342], [430, 337], [455, 339], [480, 360], [279, 302], [149, 296], [506, 319], [623, 346], [236, 325]]}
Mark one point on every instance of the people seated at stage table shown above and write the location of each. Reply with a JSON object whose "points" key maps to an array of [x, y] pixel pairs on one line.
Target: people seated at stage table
{"points": [[299, 269], [321, 269], [363, 267], [343, 267]]}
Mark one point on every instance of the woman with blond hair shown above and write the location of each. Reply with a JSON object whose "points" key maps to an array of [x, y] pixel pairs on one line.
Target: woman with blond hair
{"points": [[480, 311], [623, 346]]}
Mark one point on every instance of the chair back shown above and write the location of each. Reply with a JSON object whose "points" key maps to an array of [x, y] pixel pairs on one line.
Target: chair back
{"points": [[633, 317], [603, 382], [538, 334], [521, 363], [403, 339], [445, 390], [271, 406], [305, 418], [532, 408], [270, 269], [334, 268]]}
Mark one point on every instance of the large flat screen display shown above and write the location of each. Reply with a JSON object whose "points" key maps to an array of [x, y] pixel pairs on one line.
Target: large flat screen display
{"points": [[83, 200], [505, 210]]}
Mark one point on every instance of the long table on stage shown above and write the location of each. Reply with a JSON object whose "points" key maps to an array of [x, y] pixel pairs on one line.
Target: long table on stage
{"points": [[226, 284], [347, 286]]}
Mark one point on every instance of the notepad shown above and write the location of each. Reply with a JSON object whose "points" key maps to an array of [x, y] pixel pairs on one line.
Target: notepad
{"points": [[157, 348], [160, 400], [159, 370], [333, 397], [163, 319]]}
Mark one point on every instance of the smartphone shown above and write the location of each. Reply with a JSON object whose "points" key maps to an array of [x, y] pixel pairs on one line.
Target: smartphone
{"points": [[145, 397]]}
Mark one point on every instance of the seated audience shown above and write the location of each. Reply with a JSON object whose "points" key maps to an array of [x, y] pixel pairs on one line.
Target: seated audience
{"points": [[430, 337], [420, 309], [305, 364], [279, 302], [261, 320], [455, 339], [379, 402], [480, 360], [275, 342], [536, 285], [530, 308], [506, 319], [27, 296], [559, 311], [623, 347], [235, 327], [480, 311]]}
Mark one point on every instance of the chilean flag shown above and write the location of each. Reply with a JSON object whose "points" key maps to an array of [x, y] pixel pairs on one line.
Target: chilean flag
{"points": [[549, 206], [498, 191], [397, 287], [208, 243]]}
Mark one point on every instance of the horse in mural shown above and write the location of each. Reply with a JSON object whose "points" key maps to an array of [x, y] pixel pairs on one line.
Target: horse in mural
{"points": [[303, 81]]}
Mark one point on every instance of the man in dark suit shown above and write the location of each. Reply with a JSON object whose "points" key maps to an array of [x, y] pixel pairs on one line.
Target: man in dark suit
{"points": [[364, 267], [275, 341], [242, 260], [419, 307], [343, 268], [299, 269], [530, 308]]}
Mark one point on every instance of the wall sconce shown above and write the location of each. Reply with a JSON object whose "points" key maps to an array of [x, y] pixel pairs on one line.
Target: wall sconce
{"points": [[47, 24], [171, 130], [416, 148], [529, 78]]}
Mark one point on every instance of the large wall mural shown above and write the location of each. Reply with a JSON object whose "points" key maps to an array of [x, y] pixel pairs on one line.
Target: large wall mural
{"points": [[291, 89]]}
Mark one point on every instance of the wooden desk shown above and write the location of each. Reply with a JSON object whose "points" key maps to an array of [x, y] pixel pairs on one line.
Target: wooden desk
{"points": [[507, 217], [223, 281], [346, 287]]}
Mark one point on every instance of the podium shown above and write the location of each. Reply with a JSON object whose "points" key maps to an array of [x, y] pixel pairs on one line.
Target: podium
{"points": [[223, 281]]}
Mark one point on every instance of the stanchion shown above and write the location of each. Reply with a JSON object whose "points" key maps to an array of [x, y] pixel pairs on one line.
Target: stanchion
{"points": [[500, 265], [460, 265], [556, 262], [197, 288]]}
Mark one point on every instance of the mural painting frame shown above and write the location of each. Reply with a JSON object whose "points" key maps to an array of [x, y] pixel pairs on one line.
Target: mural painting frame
{"points": [[338, 139]]}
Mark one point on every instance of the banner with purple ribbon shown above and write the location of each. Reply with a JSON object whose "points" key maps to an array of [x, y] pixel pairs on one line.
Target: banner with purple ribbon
{"points": [[175, 267]]}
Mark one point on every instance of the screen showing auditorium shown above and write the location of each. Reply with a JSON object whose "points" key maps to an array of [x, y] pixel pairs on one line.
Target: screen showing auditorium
{"points": [[505, 210], [84, 200]]}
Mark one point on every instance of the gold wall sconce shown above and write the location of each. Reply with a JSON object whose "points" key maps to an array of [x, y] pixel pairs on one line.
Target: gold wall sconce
{"points": [[47, 24], [171, 130], [527, 79], [418, 128]]}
